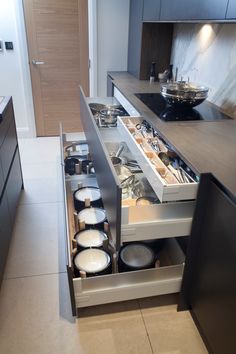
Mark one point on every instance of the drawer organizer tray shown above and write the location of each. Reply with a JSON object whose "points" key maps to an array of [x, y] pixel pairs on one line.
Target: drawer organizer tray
{"points": [[162, 179]]}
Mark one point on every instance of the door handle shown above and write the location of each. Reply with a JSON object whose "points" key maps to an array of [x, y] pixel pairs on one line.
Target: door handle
{"points": [[35, 62]]}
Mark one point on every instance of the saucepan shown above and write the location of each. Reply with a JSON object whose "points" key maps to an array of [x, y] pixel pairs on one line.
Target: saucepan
{"points": [[92, 262], [86, 197], [92, 218], [91, 238], [136, 256]]}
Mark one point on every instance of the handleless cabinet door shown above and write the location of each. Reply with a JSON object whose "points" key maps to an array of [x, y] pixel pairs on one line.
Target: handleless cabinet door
{"points": [[5, 233], [151, 10], [8, 148], [231, 11], [1, 180], [172, 10], [135, 37], [14, 184]]}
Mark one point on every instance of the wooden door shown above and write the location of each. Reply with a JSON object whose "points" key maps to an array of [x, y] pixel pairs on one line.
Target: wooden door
{"points": [[57, 34]]}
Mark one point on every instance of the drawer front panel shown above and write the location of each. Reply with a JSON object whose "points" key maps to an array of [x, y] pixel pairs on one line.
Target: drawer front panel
{"points": [[5, 121], [128, 286], [156, 221], [164, 191], [1, 180], [125, 103], [105, 172], [14, 185], [5, 233], [8, 148]]}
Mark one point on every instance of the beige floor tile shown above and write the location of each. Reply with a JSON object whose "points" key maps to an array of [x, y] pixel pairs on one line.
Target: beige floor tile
{"points": [[170, 332], [35, 319], [42, 183], [41, 150], [38, 242]]}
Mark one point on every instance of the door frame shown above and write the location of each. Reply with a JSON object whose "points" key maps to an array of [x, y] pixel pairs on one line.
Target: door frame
{"points": [[93, 53]]}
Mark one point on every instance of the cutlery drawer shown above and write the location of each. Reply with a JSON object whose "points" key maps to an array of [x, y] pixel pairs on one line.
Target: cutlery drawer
{"points": [[167, 188]]}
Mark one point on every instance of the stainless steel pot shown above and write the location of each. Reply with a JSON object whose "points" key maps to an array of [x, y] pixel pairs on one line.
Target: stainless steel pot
{"points": [[184, 94], [136, 256]]}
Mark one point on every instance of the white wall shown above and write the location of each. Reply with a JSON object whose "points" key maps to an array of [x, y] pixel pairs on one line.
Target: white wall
{"points": [[206, 53], [112, 39], [14, 68]]}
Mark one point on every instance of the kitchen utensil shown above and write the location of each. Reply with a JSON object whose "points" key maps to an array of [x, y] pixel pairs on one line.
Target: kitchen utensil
{"points": [[116, 161], [92, 218], [175, 164], [87, 167], [165, 159], [183, 94], [136, 256], [109, 114], [86, 197], [190, 179], [120, 149], [79, 150], [147, 201], [70, 165], [127, 185], [96, 107], [90, 238], [93, 261]]}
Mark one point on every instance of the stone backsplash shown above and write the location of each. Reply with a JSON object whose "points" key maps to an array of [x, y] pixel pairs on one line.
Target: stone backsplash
{"points": [[206, 53]]}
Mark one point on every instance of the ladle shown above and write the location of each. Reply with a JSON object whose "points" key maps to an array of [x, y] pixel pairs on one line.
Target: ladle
{"points": [[165, 159]]}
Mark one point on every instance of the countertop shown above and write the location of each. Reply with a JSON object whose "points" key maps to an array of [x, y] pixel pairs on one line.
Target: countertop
{"points": [[205, 146]]}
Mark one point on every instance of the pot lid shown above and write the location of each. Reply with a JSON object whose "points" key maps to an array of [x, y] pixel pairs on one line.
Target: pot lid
{"points": [[90, 238], [92, 260]]}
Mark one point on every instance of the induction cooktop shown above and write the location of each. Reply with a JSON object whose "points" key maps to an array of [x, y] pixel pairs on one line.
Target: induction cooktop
{"points": [[157, 104]]}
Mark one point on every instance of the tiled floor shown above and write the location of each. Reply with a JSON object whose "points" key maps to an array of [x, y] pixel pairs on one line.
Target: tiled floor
{"points": [[35, 315]]}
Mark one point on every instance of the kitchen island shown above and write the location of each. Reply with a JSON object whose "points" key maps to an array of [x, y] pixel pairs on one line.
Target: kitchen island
{"points": [[205, 146], [207, 289]]}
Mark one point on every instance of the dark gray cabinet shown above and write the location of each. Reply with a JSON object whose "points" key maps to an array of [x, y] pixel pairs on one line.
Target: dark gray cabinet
{"points": [[231, 11], [8, 148], [208, 287], [135, 36], [14, 184], [11, 181], [148, 42], [175, 10], [5, 232], [151, 10]]}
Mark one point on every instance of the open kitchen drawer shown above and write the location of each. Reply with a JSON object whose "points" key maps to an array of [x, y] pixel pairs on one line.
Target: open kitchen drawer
{"points": [[129, 223], [167, 188], [118, 286], [131, 285]]}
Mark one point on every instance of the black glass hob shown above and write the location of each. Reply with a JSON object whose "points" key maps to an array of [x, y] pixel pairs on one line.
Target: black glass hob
{"points": [[157, 104]]}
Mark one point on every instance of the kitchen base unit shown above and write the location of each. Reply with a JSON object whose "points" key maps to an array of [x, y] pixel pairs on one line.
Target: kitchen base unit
{"points": [[136, 215], [208, 288], [164, 278], [11, 182]]}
